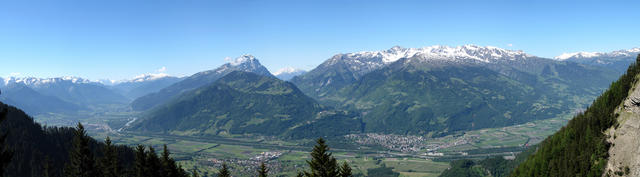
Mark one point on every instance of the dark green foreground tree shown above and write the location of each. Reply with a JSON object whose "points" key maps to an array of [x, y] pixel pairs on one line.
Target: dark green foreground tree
{"points": [[262, 170], [82, 163], [5, 153], [147, 162], [224, 172], [109, 163], [345, 170], [323, 164], [169, 165]]}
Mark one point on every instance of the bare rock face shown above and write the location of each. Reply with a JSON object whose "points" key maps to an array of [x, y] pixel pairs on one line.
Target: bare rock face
{"points": [[624, 154]]}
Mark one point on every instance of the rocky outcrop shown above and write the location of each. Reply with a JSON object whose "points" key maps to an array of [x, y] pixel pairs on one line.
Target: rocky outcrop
{"points": [[624, 154]]}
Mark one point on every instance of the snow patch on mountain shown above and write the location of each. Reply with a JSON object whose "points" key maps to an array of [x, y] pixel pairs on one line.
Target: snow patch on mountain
{"points": [[109, 82], [288, 73], [363, 62], [247, 63], [148, 77], [242, 59], [485, 54], [3, 81], [566, 56], [583, 55], [33, 81], [288, 70]]}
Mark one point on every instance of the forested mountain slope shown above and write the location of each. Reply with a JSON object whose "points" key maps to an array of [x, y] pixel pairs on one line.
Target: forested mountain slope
{"points": [[245, 63], [33, 145], [582, 147], [420, 96], [248, 103], [438, 90]]}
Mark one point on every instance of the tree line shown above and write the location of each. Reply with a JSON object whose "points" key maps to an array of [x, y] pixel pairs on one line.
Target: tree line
{"points": [[149, 164], [86, 158]]}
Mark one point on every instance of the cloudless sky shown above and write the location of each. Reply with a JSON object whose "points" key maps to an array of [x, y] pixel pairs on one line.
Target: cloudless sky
{"points": [[119, 39]]}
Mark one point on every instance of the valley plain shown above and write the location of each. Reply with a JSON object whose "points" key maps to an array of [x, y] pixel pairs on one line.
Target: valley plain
{"points": [[418, 156]]}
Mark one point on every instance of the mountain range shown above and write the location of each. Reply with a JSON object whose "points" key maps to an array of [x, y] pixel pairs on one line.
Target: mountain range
{"points": [[248, 103], [617, 60], [144, 84], [31, 101], [431, 91], [73, 94], [243, 63], [442, 89]]}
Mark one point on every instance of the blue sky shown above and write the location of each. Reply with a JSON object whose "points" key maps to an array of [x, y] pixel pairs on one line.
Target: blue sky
{"points": [[117, 39]]}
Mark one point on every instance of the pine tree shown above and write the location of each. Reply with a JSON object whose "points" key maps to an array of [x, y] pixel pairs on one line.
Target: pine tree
{"points": [[262, 170], [322, 164], [109, 163], [141, 162], [46, 167], [345, 170], [154, 166], [5, 153], [182, 172], [168, 164], [194, 173], [224, 172], [82, 163]]}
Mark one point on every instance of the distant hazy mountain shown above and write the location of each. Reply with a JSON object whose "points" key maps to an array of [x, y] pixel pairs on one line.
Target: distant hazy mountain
{"points": [[616, 60], [288, 73], [32, 102], [144, 84], [441, 89], [248, 103], [71, 89], [246, 63]]}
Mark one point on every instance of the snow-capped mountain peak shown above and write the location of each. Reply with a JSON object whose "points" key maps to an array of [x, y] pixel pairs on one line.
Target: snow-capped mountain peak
{"points": [[247, 63], [366, 61], [242, 59], [148, 77], [33, 81], [288, 73], [108, 82], [287, 70], [566, 56], [485, 54], [583, 55]]}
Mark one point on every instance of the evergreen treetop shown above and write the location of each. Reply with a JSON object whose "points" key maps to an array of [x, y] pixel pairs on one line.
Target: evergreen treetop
{"points": [[262, 170], [345, 170], [82, 163], [224, 172], [322, 164]]}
